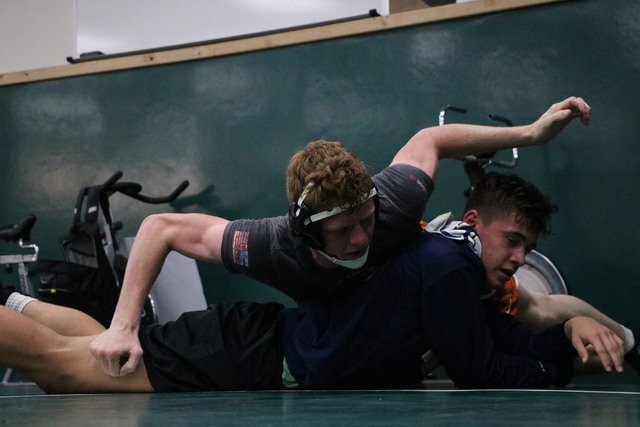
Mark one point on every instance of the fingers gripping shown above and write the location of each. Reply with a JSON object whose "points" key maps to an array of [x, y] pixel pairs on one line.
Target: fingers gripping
{"points": [[129, 363], [116, 357]]}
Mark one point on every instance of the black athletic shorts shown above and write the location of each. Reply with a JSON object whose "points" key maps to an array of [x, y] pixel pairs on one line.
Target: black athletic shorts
{"points": [[228, 346]]}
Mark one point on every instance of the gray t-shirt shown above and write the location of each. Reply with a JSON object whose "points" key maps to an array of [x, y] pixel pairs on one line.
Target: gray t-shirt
{"points": [[268, 250]]}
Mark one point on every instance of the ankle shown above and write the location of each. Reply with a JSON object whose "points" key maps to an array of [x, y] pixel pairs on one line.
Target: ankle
{"points": [[17, 302]]}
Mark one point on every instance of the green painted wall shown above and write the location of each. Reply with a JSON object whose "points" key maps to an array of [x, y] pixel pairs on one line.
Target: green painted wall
{"points": [[230, 124]]}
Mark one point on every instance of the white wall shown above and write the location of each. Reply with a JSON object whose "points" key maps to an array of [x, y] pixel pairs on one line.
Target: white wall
{"points": [[117, 26], [43, 33], [36, 33]]}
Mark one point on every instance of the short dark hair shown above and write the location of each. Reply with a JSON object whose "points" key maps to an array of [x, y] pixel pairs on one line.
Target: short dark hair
{"points": [[496, 195]]}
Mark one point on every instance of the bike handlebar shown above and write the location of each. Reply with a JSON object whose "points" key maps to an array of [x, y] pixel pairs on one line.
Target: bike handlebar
{"points": [[485, 159], [133, 189], [498, 118], [112, 180], [449, 107]]}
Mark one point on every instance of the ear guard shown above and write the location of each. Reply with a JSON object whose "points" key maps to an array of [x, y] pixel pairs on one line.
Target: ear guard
{"points": [[307, 224], [299, 220]]}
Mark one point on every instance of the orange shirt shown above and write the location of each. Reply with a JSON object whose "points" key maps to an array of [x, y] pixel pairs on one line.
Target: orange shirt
{"points": [[508, 296]]}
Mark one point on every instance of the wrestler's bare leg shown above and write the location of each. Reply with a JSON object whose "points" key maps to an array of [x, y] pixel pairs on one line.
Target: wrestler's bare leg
{"points": [[63, 320], [57, 363]]}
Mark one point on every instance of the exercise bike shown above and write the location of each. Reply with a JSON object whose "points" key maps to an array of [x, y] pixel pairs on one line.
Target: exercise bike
{"points": [[66, 282], [90, 277], [19, 233]]}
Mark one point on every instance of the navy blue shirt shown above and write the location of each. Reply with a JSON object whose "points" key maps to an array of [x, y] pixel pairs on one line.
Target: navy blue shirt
{"points": [[426, 296]]}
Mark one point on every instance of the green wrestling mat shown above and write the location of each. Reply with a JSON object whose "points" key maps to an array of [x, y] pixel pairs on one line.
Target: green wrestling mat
{"points": [[438, 404]]}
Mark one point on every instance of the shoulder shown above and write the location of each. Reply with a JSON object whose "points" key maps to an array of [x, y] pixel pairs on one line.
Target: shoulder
{"points": [[439, 256], [263, 226], [258, 235], [403, 192], [400, 174], [439, 247]]}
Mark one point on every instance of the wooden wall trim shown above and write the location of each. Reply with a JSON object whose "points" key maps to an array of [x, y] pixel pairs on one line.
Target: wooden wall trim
{"points": [[272, 40]]}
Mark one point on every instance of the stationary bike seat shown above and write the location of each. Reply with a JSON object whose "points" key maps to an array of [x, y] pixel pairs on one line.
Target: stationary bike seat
{"points": [[18, 231]]}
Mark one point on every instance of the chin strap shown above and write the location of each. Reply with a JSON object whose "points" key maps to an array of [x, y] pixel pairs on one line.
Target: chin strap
{"points": [[353, 264]]}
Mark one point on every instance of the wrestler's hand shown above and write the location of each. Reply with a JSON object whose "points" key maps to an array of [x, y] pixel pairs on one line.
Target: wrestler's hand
{"points": [[584, 331], [593, 366], [117, 351], [558, 116]]}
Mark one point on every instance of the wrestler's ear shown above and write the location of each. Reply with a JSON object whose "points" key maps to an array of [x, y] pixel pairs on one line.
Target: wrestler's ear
{"points": [[471, 217]]}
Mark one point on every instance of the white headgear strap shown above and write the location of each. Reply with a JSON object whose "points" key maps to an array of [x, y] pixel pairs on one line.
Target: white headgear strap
{"points": [[335, 211]]}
